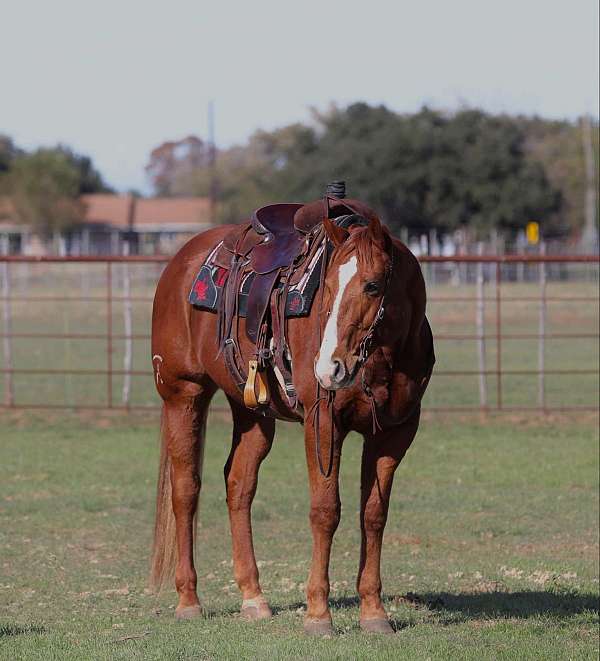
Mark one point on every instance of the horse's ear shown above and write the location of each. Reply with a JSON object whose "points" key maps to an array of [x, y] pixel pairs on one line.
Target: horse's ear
{"points": [[377, 231], [337, 235]]}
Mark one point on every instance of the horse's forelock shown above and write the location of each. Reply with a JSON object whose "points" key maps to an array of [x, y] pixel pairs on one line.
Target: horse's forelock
{"points": [[360, 243]]}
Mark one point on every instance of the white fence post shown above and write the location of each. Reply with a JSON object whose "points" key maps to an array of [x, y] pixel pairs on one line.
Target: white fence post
{"points": [[128, 324], [542, 331], [9, 398], [480, 321]]}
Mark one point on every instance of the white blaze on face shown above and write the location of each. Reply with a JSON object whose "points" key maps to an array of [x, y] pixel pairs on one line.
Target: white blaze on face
{"points": [[324, 367]]}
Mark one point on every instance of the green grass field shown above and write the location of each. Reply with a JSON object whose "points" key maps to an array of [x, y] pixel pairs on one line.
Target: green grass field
{"points": [[491, 550]]}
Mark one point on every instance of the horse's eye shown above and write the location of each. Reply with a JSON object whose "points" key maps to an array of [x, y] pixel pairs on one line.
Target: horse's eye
{"points": [[372, 288]]}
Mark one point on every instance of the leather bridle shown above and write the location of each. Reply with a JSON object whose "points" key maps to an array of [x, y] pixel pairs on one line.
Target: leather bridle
{"points": [[366, 344]]}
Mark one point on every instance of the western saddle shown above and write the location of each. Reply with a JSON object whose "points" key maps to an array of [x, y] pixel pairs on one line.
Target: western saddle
{"points": [[277, 247]]}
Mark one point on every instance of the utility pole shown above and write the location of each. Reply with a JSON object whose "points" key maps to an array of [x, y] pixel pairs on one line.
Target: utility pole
{"points": [[212, 164], [589, 237]]}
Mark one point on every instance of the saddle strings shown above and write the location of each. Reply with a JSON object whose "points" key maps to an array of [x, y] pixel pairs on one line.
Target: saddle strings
{"points": [[315, 409]]}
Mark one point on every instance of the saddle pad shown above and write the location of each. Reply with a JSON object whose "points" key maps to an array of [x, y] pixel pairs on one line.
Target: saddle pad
{"points": [[208, 286]]}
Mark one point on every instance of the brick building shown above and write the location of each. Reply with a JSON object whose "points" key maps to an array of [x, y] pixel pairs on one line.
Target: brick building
{"points": [[149, 225]]}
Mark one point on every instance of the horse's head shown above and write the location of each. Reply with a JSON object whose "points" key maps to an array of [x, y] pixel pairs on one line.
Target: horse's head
{"points": [[357, 278]]}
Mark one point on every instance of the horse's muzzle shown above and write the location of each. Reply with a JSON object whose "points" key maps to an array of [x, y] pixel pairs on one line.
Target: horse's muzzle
{"points": [[338, 376]]}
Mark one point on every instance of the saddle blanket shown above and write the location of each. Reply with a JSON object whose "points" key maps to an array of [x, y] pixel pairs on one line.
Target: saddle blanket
{"points": [[207, 290]]}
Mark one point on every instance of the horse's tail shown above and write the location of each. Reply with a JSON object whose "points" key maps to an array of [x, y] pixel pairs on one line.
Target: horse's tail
{"points": [[164, 551]]}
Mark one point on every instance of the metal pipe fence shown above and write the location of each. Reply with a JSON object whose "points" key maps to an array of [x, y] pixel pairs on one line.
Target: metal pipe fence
{"points": [[493, 331]]}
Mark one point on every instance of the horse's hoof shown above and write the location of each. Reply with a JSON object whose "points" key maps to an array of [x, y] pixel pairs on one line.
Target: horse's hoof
{"points": [[188, 612], [318, 627], [255, 609], [376, 625]]}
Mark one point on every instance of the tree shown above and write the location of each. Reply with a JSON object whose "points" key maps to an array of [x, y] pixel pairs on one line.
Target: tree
{"points": [[44, 187], [172, 165], [8, 153], [557, 145], [432, 170], [258, 173], [425, 170], [90, 179]]}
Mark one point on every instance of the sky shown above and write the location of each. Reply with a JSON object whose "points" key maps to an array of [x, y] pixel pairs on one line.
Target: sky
{"points": [[113, 79]]}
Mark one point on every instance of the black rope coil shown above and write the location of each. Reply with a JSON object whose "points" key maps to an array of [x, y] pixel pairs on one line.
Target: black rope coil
{"points": [[336, 189]]}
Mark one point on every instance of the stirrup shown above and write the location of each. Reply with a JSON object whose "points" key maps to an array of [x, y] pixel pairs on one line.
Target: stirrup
{"points": [[250, 399]]}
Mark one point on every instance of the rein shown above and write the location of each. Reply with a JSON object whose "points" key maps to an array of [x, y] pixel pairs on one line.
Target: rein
{"points": [[364, 350], [315, 409]]}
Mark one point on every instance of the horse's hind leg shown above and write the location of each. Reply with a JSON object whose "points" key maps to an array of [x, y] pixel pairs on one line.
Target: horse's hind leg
{"points": [[183, 428], [252, 439]]}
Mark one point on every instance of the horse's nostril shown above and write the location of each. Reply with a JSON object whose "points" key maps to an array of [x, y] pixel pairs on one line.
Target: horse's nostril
{"points": [[339, 371]]}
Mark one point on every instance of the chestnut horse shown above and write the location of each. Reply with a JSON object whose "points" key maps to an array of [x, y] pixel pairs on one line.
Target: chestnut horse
{"points": [[373, 362]]}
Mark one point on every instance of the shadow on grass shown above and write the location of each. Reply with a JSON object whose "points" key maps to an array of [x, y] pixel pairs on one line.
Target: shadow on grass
{"points": [[450, 609], [7, 630], [522, 604]]}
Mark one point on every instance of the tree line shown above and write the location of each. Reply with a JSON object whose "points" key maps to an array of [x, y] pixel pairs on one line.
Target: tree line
{"points": [[427, 170]]}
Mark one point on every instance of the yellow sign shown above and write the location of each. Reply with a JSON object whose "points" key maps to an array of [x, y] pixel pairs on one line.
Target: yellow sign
{"points": [[533, 233]]}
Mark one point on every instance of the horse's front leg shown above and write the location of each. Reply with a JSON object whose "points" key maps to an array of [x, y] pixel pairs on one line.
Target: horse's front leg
{"points": [[325, 509], [382, 453], [252, 440]]}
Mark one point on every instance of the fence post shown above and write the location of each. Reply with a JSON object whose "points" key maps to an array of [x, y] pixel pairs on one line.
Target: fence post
{"points": [[9, 398], [433, 250], [498, 335], [480, 320], [128, 327], [542, 332], [85, 250], [521, 264], [462, 267], [114, 242], [109, 343]]}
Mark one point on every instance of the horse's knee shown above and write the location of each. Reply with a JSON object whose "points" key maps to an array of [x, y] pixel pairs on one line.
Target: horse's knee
{"points": [[239, 502], [325, 518], [374, 518], [239, 494]]}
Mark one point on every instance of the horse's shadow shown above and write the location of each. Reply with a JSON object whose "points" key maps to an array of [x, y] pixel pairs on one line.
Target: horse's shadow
{"points": [[461, 607], [500, 604]]}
